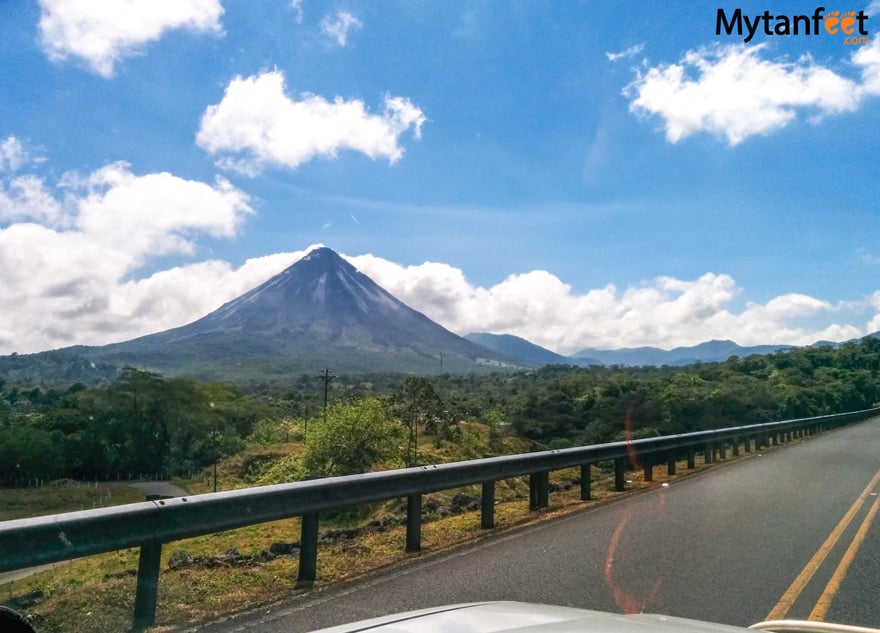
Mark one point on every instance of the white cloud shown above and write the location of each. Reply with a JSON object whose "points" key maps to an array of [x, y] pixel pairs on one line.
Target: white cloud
{"points": [[632, 51], [12, 154], [867, 59], [64, 261], [733, 92], [866, 257], [25, 198], [257, 124], [664, 312], [102, 33], [338, 27], [62, 287], [296, 5]]}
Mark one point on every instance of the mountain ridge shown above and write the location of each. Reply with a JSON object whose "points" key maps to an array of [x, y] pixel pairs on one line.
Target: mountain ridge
{"points": [[322, 312], [319, 312]]}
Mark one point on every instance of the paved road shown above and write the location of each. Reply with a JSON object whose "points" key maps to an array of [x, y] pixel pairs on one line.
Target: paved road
{"points": [[158, 488], [147, 487], [723, 546]]}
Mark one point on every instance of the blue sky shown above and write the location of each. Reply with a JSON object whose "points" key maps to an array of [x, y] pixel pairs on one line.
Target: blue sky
{"points": [[583, 174]]}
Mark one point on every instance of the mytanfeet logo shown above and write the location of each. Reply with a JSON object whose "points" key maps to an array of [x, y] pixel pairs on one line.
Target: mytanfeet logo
{"points": [[851, 26]]}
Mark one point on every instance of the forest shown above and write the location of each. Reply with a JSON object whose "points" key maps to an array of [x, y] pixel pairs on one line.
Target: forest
{"points": [[141, 423]]}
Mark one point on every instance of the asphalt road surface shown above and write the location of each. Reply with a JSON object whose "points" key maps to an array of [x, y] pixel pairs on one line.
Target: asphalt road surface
{"points": [[765, 536]]}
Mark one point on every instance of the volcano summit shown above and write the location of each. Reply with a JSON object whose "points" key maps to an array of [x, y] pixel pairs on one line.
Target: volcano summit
{"points": [[320, 312]]}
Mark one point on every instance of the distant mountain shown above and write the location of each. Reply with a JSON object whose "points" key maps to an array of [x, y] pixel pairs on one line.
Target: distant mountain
{"points": [[320, 312], [710, 351], [518, 348]]}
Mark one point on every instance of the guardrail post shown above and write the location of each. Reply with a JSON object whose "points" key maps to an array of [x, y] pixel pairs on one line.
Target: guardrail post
{"points": [[539, 490], [586, 482], [544, 490], [747, 444], [670, 463], [648, 467], [709, 453], [146, 594], [308, 550], [722, 450], [692, 458], [414, 523], [619, 474], [487, 507], [734, 447]]}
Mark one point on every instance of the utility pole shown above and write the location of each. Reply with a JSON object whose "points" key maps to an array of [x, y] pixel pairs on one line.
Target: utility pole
{"points": [[326, 377]]}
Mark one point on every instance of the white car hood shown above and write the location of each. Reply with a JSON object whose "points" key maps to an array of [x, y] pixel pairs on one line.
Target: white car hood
{"points": [[498, 617]]}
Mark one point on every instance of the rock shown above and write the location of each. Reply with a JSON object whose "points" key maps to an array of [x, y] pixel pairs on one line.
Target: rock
{"points": [[463, 502], [283, 549], [180, 558]]}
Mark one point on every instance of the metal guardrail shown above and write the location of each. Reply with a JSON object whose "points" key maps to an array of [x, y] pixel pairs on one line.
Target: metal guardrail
{"points": [[148, 525]]}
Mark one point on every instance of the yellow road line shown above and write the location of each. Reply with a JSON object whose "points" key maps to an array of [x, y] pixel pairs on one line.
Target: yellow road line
{"points": [[824, 602], [797, 586]]}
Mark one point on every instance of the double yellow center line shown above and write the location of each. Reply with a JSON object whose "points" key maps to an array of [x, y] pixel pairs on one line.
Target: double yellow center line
{"points": [[780, 611]]}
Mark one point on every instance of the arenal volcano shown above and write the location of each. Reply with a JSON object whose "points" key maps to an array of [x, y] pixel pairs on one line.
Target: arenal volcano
{"points": [[320, 312]]}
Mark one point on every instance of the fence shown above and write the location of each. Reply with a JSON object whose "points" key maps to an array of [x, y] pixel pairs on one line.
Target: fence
{"points": [[149, 525]]}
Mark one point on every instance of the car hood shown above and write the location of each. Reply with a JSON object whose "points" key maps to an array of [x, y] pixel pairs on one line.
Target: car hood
{"points": [[497, 617]]}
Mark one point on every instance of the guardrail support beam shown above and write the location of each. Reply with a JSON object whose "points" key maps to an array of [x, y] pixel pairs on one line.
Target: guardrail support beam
{"points": [[414, 523], [539, 490], [487, 506], [586, 482], [308, 550], [147, 592], [619, 474], [648, 467], [670, 463]]}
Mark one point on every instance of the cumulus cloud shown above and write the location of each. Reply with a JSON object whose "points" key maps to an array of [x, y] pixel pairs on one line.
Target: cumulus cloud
{"points": [[664, 312], [62, 287], [257, 124], [734, 92], [338, 27], [102, 33], [67, 250]]}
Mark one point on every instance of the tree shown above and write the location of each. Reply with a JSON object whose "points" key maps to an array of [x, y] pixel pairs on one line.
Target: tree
{"points": [[418, 403], [356, 436]]}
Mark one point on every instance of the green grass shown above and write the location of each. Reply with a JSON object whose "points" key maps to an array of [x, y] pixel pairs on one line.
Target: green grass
{"points": [[63, 496]]}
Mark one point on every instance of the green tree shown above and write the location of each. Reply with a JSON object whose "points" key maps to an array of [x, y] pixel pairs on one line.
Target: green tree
{"points": [[356, 436], [418, 404]]}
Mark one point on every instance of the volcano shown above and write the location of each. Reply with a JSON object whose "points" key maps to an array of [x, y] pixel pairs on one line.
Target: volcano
{"points": [[321, 312]]}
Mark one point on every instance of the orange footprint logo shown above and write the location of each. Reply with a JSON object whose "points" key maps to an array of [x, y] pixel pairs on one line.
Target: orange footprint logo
{"points": [[847, 22], [832, 19]]}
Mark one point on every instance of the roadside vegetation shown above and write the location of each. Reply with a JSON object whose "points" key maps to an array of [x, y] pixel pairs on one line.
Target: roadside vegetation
{"points": [[73, 447]]}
